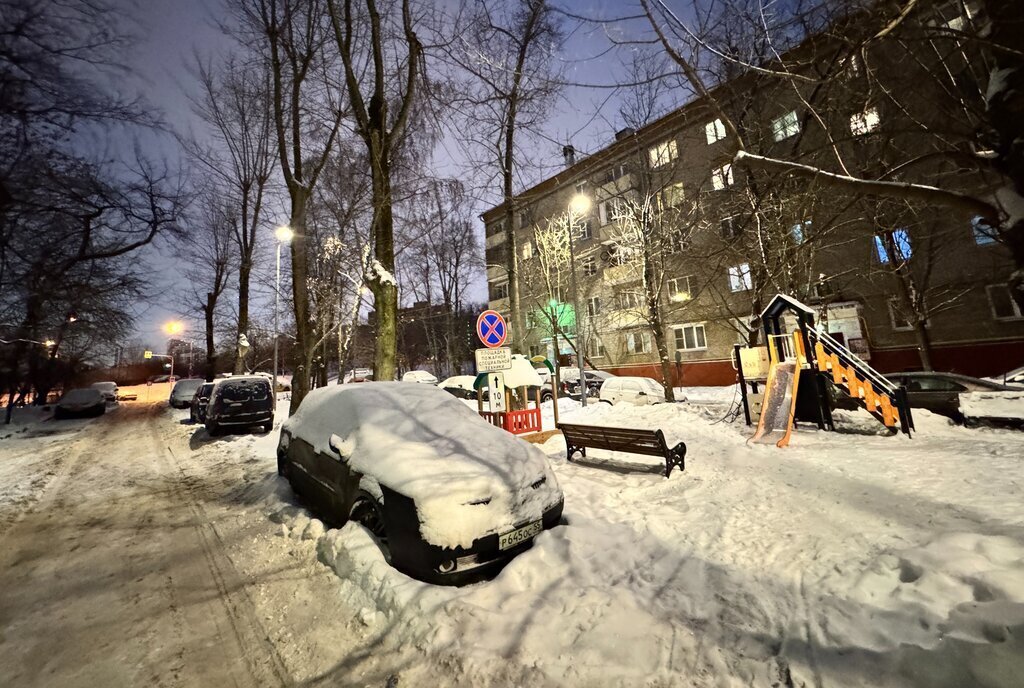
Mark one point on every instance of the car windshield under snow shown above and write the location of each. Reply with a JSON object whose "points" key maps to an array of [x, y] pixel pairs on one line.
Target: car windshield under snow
{"points": [[245, 390], [79, 396]]}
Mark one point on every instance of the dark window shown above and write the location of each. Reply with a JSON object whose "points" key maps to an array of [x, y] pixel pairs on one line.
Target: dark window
{"points": [[730, 228], [933, 384], [245, 390]]}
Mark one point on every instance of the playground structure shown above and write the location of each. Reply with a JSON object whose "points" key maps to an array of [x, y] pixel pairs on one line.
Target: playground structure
{"points": [[801, 366], [515, 384]]}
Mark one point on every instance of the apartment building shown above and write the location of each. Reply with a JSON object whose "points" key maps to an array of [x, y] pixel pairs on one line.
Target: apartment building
{"points": [[681, 248]]}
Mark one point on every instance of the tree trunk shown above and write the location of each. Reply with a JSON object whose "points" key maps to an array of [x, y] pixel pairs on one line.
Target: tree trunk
{"points": [[924, 344], [300, 297], [211, 352], [243, 310], [385, 291]]}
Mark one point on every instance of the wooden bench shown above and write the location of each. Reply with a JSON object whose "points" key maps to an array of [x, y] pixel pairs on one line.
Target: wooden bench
{"points": [[646, 442]]}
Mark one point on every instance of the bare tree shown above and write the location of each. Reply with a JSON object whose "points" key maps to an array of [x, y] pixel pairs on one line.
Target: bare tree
{"points": [[235, 103], [388, 57], [953, 100], [209, 251], [307, 115], [507, 52]]}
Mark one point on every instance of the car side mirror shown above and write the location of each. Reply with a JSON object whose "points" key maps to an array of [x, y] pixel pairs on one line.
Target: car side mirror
{"points": [[339, 447]]}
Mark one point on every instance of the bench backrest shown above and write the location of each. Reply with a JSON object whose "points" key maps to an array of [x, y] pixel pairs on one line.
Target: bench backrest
{"points": [[648, 442]]}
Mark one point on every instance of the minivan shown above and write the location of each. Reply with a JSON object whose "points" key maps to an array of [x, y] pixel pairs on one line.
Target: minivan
{"points": [[240, 401]]}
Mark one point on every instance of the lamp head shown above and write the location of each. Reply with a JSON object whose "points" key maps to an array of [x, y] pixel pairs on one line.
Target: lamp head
{"points": [[284, 234], [580, 204]]}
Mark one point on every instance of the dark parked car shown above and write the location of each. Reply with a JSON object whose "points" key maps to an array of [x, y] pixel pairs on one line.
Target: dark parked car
{"points": [[451, 496], [184, 390], [240, 401], [81, 402], [941, 393], [200, 400], [595, 378], [461, 386]]}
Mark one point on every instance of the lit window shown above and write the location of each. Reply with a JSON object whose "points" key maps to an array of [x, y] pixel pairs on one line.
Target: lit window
{"points": [[864, 122], [721, 177], [785, 126], [527, 250], [714, 131], [671, 195], [679, 289], [638, 342], [1003, 305], [663, 153], [740, 278], [690, 337], [611, 210], [800, 230], [593, 306], [900, 246], [984, 233]]}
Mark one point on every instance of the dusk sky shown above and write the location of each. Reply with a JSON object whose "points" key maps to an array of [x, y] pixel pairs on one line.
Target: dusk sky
{"points": [[169, 34]]}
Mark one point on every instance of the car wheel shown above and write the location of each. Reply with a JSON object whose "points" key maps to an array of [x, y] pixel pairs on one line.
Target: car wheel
{"points": [[368, 512], [605, 401], [545, 397], [267, 427], [58, 415], [282, 463], [212, 429]]}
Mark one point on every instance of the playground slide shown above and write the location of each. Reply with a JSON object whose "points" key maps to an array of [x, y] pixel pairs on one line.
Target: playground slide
{"points": [[776, 421]]}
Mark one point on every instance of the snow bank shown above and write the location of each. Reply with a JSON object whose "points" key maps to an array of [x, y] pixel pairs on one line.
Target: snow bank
{"points": [[1000, 405], [468, 478]]}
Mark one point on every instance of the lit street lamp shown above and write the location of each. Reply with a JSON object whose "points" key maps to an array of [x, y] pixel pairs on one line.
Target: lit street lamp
{"points": [[578, 207], [284, 235], [175, 328]]}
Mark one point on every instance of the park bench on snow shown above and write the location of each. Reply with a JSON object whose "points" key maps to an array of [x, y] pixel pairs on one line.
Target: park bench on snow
{"points": [[647, 442]]}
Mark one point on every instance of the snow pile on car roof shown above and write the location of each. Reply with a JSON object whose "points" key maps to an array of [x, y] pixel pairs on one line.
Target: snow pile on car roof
{"points": [[467, 477]]}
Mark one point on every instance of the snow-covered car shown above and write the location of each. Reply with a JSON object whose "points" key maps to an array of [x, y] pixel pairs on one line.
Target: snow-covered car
{"points": [[453, 497], [183, 391], [81, 401], [639, 391], [1012, 377], [240, 401], [200, 400], [108, 389], [460, 386], [421, 376]]}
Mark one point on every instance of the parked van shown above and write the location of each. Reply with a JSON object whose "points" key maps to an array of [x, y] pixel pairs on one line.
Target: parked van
{"points": [[240, 400], [639, 391]]}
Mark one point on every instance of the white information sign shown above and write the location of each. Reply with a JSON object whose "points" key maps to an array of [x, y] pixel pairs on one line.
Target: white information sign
{"points": [[490, 360], [496, 392]]}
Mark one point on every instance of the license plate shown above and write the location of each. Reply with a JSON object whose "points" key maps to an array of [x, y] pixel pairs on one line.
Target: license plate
{"points": [[519, 535]]}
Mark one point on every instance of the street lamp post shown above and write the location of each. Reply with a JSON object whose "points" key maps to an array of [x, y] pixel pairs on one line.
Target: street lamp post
{"points": [[284, 235], [578, 206]]}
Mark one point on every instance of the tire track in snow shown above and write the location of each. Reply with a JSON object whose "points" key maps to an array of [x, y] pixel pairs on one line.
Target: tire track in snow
{"points": [[258, 651]]}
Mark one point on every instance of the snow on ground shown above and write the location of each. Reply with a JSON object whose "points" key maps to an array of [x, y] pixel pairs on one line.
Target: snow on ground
{"points": [[851, 558]]}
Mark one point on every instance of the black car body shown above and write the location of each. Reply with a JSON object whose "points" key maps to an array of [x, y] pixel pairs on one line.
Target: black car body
{"points": [[355, 478], [934, 391], [200, 400], [240, 401], [595, 378], [183, 392]]}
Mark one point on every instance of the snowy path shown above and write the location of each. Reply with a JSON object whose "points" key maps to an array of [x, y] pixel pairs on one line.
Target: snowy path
{"points": [[132, 566]]}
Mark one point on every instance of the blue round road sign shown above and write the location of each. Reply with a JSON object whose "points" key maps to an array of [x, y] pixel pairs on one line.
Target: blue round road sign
{"points": [[491, 329]]}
